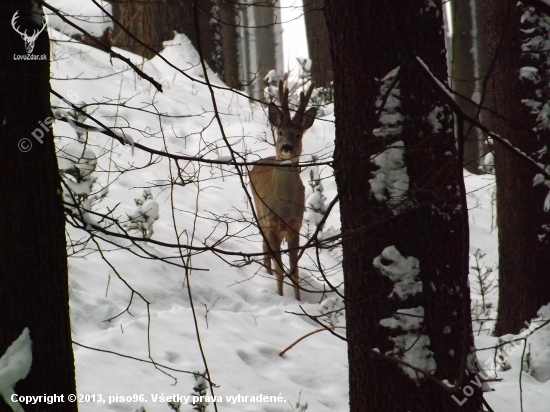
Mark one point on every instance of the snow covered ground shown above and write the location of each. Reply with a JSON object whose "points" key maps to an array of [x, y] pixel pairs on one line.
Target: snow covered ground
{"points": [[511, 392], [125, 303], [243, 323]]}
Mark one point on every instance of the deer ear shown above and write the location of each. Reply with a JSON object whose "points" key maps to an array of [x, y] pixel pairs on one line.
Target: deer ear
{"points": [[308, 118], [275, 115]]}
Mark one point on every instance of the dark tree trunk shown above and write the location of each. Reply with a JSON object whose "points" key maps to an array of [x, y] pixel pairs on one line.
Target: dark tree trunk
{"points": [[148, 20], [426, 221], [318, 42], [33, 263], [229, 40], [154, 22], [524, 245], [463, 79]]}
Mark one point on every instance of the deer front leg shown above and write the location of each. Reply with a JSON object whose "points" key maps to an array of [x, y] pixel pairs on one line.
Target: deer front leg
{"points": [[267, 256], [293, 240], [273, 250]]}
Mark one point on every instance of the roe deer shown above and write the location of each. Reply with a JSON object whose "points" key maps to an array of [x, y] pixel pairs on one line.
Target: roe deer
{"points": [[279, 194]]}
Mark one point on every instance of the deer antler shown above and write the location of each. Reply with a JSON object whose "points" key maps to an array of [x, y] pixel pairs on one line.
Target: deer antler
{"points": [[13, 22], [304, 100], [24, 34], [283, 101]]}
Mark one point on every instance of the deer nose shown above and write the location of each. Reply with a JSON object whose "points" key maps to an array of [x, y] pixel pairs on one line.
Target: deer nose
{"points": [[286, 147]]}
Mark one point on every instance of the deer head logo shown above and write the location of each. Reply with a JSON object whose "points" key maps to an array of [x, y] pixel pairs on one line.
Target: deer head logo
{"points": [[29, 40]]}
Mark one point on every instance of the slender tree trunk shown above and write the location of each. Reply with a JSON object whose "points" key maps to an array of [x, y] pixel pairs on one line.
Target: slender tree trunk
{"points": [[229, 40], [33, 263], [318, 42], [413, 226], [463, 78], [483, 69], [524, 243], [264, 44]]}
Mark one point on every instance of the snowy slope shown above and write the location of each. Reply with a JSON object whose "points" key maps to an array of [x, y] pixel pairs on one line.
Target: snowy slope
{"points": [[83, 13], [242, 322], [247, 323]]}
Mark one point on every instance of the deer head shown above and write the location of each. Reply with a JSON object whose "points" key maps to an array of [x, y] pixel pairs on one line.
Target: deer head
{"points": [[291, 130], [29, 40]]}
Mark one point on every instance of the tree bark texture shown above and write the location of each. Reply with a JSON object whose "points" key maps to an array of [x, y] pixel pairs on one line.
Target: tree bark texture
{"points": [[318, 43], [463, 79], [229, 41], [523, 234], [34, 288], [154, 21], [369, 39]]}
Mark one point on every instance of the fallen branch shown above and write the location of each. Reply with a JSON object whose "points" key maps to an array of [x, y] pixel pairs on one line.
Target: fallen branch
{"points": [[309, 334]]}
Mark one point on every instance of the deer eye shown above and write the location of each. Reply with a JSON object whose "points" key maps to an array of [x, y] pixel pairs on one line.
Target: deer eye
{"points": [[298, 135], [280, 133]]}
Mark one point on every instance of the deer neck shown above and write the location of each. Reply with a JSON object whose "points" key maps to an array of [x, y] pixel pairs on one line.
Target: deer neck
{"points": [[286, 180]]}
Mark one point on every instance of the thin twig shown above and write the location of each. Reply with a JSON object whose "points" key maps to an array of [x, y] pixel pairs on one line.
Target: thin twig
{"points": [[308, 334]]}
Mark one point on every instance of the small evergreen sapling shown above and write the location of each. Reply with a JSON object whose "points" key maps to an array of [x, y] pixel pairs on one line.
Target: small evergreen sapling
{"points": [[199, 390], [145, 214], [332, 311], [175, 406], [485, 284], [315, 203], [316, 207]]}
